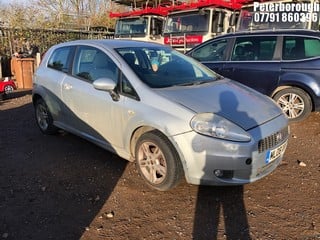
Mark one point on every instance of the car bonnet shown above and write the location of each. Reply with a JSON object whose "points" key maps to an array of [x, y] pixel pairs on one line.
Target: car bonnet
{"points": [[233, 101]]}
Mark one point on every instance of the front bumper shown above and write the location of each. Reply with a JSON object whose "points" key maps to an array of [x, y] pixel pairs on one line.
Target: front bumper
{"points": [[203, 157]]}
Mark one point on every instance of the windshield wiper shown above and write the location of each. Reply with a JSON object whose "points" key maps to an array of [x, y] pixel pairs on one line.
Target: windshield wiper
{"points": [[191, 83]]}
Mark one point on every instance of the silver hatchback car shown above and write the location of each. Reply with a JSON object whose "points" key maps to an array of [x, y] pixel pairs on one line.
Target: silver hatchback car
{"points": [[153, 105]]}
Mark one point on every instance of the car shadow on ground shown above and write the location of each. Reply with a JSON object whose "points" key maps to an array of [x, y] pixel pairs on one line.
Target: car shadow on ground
{"points": [[16, 94], [51, 187]]}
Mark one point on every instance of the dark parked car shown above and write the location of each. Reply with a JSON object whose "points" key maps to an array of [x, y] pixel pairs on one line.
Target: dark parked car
{"points": [[284, 65]]}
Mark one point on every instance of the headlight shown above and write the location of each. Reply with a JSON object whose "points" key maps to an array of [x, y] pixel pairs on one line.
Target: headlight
{"points": [[215, 126]]}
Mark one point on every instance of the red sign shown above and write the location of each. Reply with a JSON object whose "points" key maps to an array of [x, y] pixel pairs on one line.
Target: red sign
{"points": [[189, 39]]}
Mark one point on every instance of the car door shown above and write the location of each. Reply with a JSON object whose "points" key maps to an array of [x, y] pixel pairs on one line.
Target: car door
{"points": [[92, 113], [254, 61], [58, 66], [301, 55]]}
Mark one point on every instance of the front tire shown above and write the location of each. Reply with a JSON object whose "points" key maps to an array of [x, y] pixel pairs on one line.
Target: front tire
{"points": [[294, 102], [157, 161], [44, 118]]}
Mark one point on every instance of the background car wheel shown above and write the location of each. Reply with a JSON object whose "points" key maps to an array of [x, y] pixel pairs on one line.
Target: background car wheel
{"points": [[8, 89], [294, 102], [44, 118], [157, 161]]}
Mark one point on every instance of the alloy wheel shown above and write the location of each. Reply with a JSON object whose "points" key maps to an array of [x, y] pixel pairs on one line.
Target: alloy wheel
{"points": [[152, 162], [42, 116], [291, 104]]}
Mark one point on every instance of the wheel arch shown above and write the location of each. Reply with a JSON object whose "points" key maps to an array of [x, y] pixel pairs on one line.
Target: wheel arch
{"points": [[36, 97], [137, 133], [306, 82], [144, 129]]}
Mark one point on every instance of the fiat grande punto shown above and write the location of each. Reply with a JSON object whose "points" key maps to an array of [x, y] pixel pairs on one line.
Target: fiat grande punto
{"points": [[161, 109]]}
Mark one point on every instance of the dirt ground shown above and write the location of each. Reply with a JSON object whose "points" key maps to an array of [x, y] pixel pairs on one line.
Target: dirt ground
{"points": [[62, 187]]}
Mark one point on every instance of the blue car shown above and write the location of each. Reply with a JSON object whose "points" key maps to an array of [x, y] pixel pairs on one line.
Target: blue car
{"points": [[283, 64]]}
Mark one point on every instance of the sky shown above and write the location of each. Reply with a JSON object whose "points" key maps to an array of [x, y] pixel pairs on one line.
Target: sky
{"points": [[14, 1]]}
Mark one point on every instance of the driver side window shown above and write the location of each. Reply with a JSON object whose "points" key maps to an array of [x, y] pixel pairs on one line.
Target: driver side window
{"points": [[92, 63], [213, 51]]}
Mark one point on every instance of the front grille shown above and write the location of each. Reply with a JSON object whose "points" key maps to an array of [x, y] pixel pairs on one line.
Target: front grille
{"points": [[273, 140]]}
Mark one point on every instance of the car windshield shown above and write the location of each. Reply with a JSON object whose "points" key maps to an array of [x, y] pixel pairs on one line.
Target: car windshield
{"points": [[187, 22], [161, 67], [131, 26]]}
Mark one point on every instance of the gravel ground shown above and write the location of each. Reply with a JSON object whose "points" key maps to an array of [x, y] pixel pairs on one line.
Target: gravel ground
{"points": [[63, 187]]}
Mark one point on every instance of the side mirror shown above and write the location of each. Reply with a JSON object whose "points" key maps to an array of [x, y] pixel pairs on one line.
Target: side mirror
{"points": [[108, 85], [220, 22], [154, 29], [233, 19], [156, 26], [104, 84]]}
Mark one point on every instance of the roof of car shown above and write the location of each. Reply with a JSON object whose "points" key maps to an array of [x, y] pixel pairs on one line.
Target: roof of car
{"points": [[273, 32], [112, 43]]}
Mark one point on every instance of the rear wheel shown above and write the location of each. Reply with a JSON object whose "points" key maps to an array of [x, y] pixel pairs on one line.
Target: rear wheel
{"points": [[44, 118], [294, 102], [157, 161]]}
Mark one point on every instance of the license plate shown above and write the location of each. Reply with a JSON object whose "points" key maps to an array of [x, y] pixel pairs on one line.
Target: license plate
{"points": [[275, 153]]}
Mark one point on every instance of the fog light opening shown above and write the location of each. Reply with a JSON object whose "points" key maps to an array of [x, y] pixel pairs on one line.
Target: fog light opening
{"points": [[248, 161], [225, 174], [218, 173]]}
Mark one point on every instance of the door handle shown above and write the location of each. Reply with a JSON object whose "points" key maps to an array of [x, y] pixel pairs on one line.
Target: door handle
{"points": [[67, 86], [230, 69]]}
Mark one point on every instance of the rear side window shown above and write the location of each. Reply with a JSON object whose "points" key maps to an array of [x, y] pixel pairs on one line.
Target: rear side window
{"points": [[312, 47], [59, 59], [296, 48], [260, 48]]}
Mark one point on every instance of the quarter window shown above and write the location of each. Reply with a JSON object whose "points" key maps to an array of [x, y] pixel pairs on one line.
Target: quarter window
{"points": [[296, 48], [254, 48], [127, 89]]}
